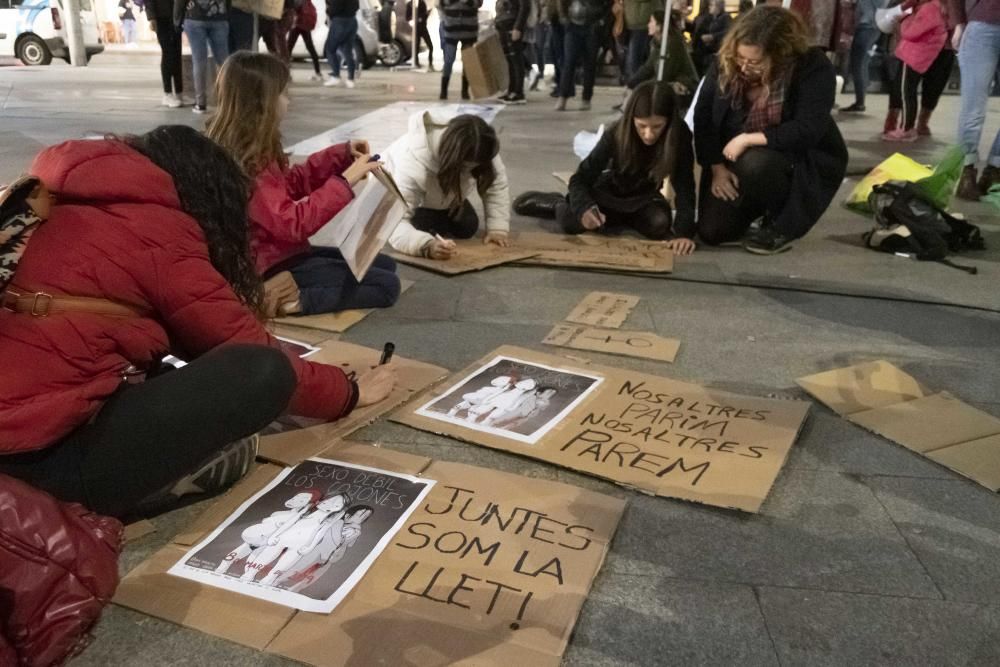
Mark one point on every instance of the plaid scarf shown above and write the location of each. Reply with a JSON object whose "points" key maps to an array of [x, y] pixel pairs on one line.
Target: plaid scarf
{"points": [[766, 112]]}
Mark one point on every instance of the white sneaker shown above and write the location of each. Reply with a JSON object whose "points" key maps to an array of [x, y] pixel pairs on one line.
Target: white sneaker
{"points": [[170, 101], [316, 77], [332, 81], [349, 83]]}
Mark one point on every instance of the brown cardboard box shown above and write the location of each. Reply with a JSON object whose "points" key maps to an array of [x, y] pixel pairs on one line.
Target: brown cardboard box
{"points": [[603, 309], [648, 432], [642, 344], [595, 251], [887, 401], [473, 255], [485, 66], [493, 569]]}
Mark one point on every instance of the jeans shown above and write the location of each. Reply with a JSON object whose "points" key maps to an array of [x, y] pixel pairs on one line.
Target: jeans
{"points": [[201, 36], [149, 435], [343, 32], [128, 31], [171, 65], [326, 284], [450, 48], [579, 48], [638, 49], [977, 58], [557, 41], [240, 30], [865, 37], [765, 184]]}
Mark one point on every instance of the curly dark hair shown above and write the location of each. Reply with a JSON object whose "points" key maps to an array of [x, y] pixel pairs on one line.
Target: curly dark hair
{"points": [[213, 190]]}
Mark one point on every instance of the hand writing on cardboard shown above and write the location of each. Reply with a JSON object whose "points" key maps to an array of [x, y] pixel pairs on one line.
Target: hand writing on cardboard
{"points": [[593, 219], [375, 384], [681, 246]]}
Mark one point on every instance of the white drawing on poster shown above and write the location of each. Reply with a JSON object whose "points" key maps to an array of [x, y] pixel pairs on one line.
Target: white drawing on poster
{"points": [[514, 399], [307, 538]]}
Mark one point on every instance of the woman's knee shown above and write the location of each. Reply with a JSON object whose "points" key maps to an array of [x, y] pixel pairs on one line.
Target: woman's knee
{"points": [[759, 165], [657, 221], [264, 373], [387, 288]]}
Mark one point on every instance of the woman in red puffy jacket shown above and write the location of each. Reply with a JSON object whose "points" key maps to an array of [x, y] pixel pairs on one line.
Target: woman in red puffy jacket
{"points": [[290, 204], [305, 23], [145, 254]]}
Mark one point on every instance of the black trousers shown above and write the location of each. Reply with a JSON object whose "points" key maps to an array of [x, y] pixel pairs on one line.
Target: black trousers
{"points": [[424, 35], [765, 183], [149, 435], [932, 84], [461, 225], [171, 69], [515, 62], [307, 39], [653, 220]]}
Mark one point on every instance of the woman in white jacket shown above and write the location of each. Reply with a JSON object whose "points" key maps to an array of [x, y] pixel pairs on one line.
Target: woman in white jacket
{"points": [[437, 167]]}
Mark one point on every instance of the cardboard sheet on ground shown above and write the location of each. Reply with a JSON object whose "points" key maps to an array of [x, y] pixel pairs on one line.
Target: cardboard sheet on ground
{"points": [[336, 322], [473, 255], [304, 541], [885, 400], [603, 309], [490, 569], [642, 344], [595, 251], [292, 447], [662, 436]]}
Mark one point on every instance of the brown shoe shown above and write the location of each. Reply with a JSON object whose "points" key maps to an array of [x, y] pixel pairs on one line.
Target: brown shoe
{"points": [[967, 187], [923, 123], [990, 177]]}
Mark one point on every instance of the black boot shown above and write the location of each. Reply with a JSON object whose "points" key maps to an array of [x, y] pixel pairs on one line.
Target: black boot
{"points": [[444, 88], [465, 88]]}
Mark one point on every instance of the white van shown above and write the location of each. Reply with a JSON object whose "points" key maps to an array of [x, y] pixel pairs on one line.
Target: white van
{"points": [[34, 31]]}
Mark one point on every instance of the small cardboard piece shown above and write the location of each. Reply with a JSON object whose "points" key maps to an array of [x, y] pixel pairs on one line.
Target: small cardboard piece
{"points": [[641, 344], [595, 251], [138, 530], [473, 255], [603, 309], [485, 66], [885, 400], [504, 588], [662, 436], [335, 322], [290, 448]]}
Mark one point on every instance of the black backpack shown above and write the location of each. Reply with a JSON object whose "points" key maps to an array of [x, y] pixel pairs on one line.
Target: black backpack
{"points": [[907, 222]]}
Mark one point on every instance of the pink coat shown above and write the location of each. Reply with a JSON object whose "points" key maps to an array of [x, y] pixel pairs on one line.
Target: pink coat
{"points": [[922, 36]]}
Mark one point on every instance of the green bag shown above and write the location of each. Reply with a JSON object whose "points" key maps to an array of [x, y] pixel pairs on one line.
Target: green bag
{"points": [[940, 186]]}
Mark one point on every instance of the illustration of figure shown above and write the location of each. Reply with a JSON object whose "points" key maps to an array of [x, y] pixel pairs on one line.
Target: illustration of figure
{"points": [[315, 564], [293, 541], [256, 536], [502, 406], [496, 387], [531, 406]]}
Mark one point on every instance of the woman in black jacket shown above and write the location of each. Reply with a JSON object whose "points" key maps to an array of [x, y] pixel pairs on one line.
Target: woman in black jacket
{"points": [[618, 184], [768, 146]]}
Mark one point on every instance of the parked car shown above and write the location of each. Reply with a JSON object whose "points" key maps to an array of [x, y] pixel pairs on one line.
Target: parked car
{"points": [[366, 46], [34, 32]]}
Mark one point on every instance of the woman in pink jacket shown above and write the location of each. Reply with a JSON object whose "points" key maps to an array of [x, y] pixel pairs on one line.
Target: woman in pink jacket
{"points": [[927, 59]]}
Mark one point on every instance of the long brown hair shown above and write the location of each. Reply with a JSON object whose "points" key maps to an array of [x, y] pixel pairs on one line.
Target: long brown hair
{"points": [[246, 123], [467, 139], [781, 34], [634, 157]]}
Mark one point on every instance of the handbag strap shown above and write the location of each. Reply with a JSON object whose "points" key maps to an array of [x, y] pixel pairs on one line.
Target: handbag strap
{"points": [[42, 304]]}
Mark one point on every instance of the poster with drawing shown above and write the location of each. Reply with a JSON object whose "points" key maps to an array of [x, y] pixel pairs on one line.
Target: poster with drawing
{"points": [[513, 399], [308, 537]]}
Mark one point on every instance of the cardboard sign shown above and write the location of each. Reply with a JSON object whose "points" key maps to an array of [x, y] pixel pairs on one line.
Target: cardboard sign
{"points": [[662, 436], [642, 344], [596, 251], [485, 66], [490, 569], [603, 309], [473, 255], [885, 400], [291, 449], [336, 322]]}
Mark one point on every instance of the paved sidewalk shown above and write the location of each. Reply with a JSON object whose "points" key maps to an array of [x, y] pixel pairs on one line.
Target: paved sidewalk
{"points": [[864, 554]]}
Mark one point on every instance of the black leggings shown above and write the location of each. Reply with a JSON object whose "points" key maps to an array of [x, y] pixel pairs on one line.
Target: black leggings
{"points": [[653, 220], [424, 35], [307, 39], [931, 82], [765, 183], [461, 225], [149, 435], [514, 51], [171, 68]]}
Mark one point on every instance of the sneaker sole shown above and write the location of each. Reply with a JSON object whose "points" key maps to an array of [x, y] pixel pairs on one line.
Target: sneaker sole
{"points": [[762, 251]]}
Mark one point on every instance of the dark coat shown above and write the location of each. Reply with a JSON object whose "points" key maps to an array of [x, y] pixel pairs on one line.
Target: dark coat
{"points": [[807, 135]]}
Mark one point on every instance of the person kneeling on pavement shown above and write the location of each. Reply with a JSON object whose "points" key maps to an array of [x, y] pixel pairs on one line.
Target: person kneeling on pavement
{"points": [[145, 253], [769, 148]]}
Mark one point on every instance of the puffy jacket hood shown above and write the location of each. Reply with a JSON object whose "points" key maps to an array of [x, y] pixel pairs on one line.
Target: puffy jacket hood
{"points": [[83, 170], [425, 136]]}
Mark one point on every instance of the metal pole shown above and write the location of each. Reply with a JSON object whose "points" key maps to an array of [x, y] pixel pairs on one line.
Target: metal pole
{"points": [[74, 33], [667, 7]]}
